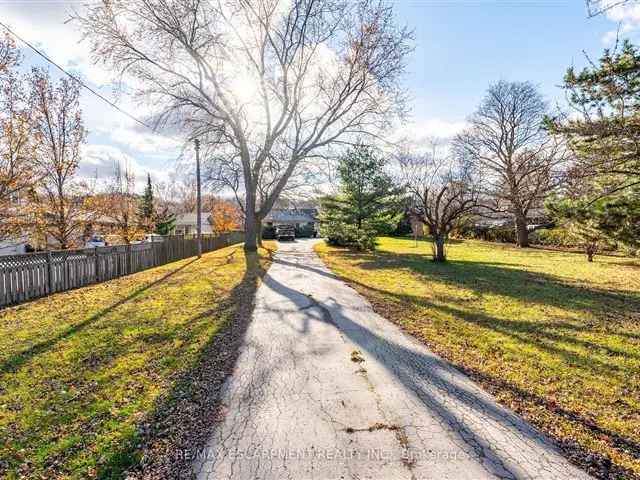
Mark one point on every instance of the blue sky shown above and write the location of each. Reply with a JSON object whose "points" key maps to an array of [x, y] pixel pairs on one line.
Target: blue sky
{"points": [[460, 47], [463, 45]]}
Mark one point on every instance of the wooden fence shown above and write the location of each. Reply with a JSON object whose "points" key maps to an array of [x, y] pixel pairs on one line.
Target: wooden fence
{"points": [[33, 275]]}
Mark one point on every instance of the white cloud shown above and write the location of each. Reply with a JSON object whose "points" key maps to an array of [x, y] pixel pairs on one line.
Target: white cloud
{"points": [[626, 15], [422, 131], [112, 135], [98, 161], [50, 30], [145, 141], [440, 128], [622, 11]]}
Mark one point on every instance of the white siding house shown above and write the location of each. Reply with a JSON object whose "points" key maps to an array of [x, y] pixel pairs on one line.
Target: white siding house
{"points": [[14, 246], [187, 223]]}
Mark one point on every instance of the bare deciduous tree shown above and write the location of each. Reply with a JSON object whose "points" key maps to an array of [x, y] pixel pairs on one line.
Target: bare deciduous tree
{"points": [[270, 83], [119, 204], [59, 199], [178, 194], [442, 192], [224, 173], [599, 7], [519, 160], [17, 140]]}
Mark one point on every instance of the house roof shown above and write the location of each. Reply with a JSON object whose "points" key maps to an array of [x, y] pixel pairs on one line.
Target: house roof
{"points": [[303, 215], [191, 218]]}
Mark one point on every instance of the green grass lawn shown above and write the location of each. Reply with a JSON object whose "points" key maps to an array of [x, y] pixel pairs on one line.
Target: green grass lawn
{"points": [[552, 336], [80, 371]]}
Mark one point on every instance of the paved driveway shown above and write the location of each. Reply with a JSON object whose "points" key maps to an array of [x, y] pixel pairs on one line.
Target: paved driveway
{"points": [[324, 388]]}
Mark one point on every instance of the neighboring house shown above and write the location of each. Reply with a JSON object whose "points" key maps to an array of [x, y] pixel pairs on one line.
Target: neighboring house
{"points": [[16, 242], [88, 226], [15, 246], [187, 223], [302, 218], [537, 218]]}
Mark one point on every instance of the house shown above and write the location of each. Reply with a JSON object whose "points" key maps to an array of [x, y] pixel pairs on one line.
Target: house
{"points": [[13, 240], [14, 246], [187, 223], [305, 220]]}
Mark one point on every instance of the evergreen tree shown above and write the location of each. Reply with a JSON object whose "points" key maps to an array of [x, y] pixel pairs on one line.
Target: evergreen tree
{"points": [[147, 208], [165, 223], [612, 220], [603, 205], [605, 138], [367, 203]]}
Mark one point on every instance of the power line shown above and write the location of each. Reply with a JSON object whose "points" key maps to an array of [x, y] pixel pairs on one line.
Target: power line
{"points": [[101, 97]]}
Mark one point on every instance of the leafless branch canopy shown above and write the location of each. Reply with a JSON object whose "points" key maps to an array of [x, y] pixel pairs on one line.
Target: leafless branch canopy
{"points": [[442, 189], [598, 7], [268, 83], [518, 160]]}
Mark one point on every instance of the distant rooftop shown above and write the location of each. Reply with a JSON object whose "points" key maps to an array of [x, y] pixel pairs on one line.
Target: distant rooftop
{"points": [[302, 215], [191, 218]]}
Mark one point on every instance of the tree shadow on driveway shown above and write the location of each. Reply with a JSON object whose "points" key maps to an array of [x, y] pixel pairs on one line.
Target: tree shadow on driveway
{"points": [[442, 390], [180, 423], [593, 341]]}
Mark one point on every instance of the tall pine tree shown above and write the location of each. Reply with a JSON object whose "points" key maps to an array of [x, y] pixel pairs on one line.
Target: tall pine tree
{"points": [[147, 208], [602, 202]]}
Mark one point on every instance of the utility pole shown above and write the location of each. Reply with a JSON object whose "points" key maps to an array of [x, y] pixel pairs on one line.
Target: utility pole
{"points": [[198, 198]]}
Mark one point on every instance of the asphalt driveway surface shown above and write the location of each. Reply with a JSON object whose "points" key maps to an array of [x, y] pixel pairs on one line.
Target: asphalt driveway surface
{"points": [[324, 388]]}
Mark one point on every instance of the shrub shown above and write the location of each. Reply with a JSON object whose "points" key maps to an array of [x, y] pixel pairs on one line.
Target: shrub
{"points": [[565, 238], [465, 228], [556, 237], [404, 226], [340, 234], [502, 234], [499, 233]]}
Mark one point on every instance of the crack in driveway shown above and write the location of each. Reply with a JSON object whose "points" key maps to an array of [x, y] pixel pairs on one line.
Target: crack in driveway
{"points": [[297, 409]]}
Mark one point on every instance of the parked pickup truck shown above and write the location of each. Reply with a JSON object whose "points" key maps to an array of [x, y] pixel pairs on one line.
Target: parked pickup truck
{"points": [[285, 232]]}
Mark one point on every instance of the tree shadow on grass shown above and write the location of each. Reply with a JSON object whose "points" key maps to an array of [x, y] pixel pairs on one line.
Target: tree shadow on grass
{"points": [[16, 360], [628, 264], [494, 384], [455, 404], [429, 378], [552, 337], [180, 422], [544, 336], [496, 279]]}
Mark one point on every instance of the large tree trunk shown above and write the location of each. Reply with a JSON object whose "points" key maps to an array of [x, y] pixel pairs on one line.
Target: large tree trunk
{"points": [[439, 254], [250, 228], [259, 235], [522, 234]]}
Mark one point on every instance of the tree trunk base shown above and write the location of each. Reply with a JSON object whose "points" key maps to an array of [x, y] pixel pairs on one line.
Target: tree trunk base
{"points": [[250, 248], [439, 252], [522, 233]]}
